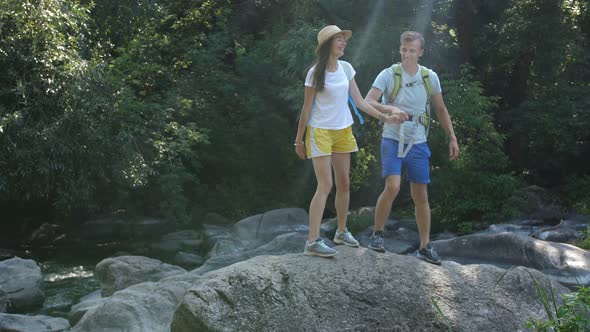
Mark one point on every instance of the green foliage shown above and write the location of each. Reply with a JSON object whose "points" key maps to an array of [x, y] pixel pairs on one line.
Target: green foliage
{"points": [[572, 315], [584, 242], [477, 185], [59, 147], [175, 108], [576, 188]]}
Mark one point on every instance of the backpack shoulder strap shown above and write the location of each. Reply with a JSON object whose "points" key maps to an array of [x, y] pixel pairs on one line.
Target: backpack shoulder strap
{"points": [[397, 80], [347, 68], [426, 79]]}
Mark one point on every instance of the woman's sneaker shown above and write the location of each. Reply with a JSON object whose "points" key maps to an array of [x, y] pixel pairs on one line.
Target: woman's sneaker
{"points": [[429, 254], [345, 238], [377, 242], [319, 248]]}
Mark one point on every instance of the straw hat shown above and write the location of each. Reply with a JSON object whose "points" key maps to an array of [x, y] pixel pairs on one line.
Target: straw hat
{"points": [[328, 32]]}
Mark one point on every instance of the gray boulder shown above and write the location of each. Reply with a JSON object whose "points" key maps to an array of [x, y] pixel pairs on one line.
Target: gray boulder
{"points": [[360, 290], [24, 323], [287, 243], [4, 301], [22, 281], [522, 230], [566, 263], [181, 240], [399, 240], [579, 223], [262, 228], [187, 259], [118, 273], [146, 307], [87, 303], [562, 235]]}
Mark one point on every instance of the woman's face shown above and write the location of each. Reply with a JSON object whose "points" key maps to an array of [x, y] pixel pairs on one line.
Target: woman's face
{"points": [[338, 45]]}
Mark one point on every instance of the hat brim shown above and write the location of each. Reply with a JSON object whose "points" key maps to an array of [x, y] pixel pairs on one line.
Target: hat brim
{"points": [[347, 34]]}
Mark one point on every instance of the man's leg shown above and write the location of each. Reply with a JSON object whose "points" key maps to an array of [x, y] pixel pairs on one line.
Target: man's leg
{"points": [[383, 208], [419, 193]]}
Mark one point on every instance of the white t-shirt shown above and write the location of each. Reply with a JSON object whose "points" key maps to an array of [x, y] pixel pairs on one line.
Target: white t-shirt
{"points": [[330, 106], [411, 98]]}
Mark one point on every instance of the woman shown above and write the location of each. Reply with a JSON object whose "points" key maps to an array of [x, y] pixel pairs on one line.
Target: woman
{"points": [[329, 139]]}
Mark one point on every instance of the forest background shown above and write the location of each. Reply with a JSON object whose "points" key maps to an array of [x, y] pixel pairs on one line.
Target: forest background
{"points": [[175, 109]]}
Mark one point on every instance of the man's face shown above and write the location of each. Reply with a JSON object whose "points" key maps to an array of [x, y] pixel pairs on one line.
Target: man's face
{"points": [[410, 52]]}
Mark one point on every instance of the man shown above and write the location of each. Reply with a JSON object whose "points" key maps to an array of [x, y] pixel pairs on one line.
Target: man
{"points": [[405, 144]]}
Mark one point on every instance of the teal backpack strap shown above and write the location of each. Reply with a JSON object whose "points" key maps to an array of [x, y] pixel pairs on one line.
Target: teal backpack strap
{"points": [[358, 114], [348, 72]]}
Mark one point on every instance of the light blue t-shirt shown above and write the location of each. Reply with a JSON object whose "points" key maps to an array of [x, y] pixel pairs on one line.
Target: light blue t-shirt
{"points": [[411, 98]]}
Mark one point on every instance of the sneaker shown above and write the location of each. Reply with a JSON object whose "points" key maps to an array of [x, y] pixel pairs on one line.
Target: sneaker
{"points": [[429, 254], [345, 238], [377, 242], [319, 248]]}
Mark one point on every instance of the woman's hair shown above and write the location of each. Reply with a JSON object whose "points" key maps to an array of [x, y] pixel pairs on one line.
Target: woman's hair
{"points": [[320, 63]]}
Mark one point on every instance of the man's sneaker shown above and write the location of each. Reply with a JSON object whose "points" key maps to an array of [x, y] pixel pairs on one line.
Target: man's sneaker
{"points": [[377, 242], [429, 254], [319, 248], [345, 238]]}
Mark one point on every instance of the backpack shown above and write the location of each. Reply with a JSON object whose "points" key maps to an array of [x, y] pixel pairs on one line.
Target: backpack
{"points": [[348, 71], [423, 118]]}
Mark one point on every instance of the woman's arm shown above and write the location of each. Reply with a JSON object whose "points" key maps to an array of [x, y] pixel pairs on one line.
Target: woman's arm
{"points": [[373, 99], [361, 103], [305, 112]]}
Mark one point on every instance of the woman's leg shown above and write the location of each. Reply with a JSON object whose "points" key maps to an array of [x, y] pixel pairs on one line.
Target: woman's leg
{"points": [[341, 166], [323, 173]]}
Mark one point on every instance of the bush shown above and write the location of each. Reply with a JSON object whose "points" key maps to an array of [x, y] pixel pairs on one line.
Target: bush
{"points": [[477, 185]]}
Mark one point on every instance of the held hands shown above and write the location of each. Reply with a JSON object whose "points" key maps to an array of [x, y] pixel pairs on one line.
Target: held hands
{"points": [[396, 116]]}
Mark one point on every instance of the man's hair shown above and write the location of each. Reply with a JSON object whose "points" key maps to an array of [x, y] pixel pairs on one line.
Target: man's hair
{"points": [[410, 36]]}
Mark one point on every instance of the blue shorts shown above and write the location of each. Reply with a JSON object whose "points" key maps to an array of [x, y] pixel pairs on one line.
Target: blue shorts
{"points": [[417, 161]]}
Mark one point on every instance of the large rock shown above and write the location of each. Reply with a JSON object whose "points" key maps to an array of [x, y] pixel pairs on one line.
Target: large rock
{"points": [[24, 323], [4, 301], [287, 243], [262, 228], [541, 204], [567, 263], [562, 235], [121, 272], [187, 259], [397, 239], [22, 280], [522, 230], [87, 303], [146, 307], [360, 290], [182, 240]]}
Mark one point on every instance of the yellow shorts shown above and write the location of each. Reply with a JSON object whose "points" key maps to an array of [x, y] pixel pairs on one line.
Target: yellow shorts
{"points": [[324, 142]]}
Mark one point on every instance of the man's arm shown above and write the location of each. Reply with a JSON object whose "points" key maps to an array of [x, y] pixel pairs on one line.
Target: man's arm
{"points": [[373, 99], [445, 121]]}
